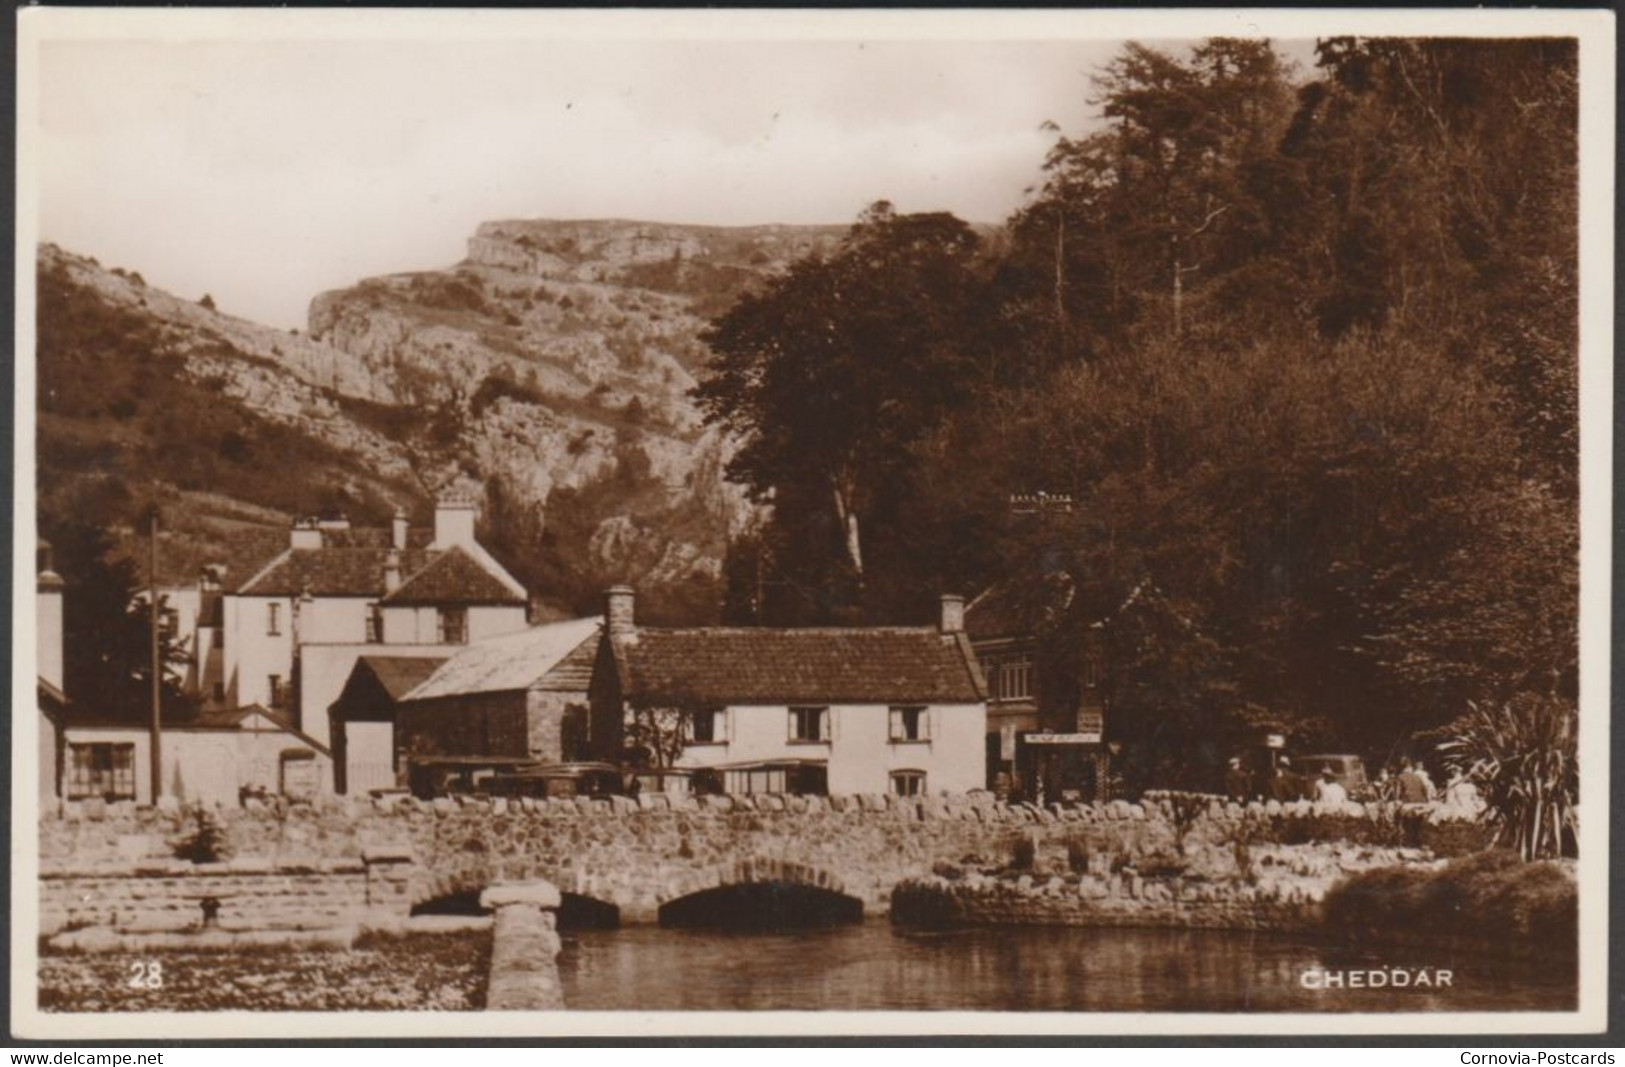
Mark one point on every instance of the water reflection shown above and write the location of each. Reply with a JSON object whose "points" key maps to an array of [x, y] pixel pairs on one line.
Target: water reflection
{"points": [[874, 966]]}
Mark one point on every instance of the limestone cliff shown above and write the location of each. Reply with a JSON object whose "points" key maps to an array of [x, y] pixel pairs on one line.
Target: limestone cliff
{"points": [[557, 356]]}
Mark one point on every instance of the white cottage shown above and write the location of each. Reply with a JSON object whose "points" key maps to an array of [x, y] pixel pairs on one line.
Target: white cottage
{"points": [[828, 710]]}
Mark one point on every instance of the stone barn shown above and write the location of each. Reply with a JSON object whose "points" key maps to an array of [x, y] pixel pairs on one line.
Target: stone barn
{"points": [[522, 695]]}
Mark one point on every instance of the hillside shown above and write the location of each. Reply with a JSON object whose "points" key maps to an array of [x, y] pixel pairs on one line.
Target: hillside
{"points": [[548, 371]]}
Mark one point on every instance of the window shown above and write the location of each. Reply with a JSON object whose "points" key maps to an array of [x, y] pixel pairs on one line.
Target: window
{"points": [[273, 684], [910, 724], [273, 619], [809, 724], [1091, 669], [219, 691], [454, 626], [169, 623], [1012, 679], [375, 625], [908, 783], [802, 779], [101, 770], [708, 726]]}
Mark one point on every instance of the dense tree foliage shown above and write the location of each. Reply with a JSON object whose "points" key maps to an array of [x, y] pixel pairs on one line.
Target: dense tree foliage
{"points": [[1301, 347], [107, 650]]}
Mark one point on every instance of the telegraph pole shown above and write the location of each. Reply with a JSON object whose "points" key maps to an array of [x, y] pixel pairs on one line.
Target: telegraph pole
{"points": [[157, 766]]}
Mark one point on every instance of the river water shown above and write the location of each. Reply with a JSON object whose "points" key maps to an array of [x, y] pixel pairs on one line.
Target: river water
{"points": [[873, 965]]}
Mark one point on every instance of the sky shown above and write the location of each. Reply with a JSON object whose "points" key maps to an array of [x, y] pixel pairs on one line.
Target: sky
{"points": [[263, 172]]}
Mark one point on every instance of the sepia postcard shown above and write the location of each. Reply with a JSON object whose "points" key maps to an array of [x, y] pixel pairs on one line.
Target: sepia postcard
{"points": [[551, 522]]}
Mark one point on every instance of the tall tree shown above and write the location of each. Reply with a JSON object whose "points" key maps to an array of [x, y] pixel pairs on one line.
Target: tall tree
{"points": [[831, 373]]}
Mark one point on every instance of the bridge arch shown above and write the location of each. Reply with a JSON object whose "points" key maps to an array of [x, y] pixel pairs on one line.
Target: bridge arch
{"points": [[821, 890], [583, 903]]}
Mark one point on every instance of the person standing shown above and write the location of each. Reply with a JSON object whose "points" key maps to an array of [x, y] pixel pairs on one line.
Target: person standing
{"points": [[1329, 792], [1409, 787], [1238, 784]]}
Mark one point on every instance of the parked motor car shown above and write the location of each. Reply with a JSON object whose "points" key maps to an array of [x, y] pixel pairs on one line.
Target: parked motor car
{"points": [[438, 776], [1347, 771], [559, 780]]}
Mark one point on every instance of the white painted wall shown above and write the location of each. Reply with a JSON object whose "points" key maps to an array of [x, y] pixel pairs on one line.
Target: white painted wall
{"points": [[206, 765], [252, 653], [421, 625], [860, 752]]}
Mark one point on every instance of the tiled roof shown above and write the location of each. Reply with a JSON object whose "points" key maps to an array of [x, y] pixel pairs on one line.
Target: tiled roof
{"points": [[771, 666], [399, 675], [557, 656], [453, 577], [330, 572]]}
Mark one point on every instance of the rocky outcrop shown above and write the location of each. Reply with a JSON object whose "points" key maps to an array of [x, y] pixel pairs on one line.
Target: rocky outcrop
{"points": [[552, 354]]}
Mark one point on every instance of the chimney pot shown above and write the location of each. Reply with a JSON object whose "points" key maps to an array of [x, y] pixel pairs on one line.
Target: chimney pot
{"points": [[398, 527], [392, 571], [953, 614], [619, 617]]}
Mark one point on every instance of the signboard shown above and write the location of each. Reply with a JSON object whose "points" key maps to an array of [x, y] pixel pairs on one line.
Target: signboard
{"points": [[1275, 741], [1007, 742], [1063, 739]]}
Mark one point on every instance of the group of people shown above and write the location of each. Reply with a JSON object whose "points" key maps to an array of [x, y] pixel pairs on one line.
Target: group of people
{"points": [[1409, 784]]}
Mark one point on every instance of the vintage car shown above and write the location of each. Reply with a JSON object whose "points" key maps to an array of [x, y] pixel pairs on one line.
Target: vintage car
{"points": [[437, 776], [558, 780]]}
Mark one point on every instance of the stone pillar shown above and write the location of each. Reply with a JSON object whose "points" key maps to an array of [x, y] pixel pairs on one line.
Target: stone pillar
{"points": [[389, 884], [524, 947]]}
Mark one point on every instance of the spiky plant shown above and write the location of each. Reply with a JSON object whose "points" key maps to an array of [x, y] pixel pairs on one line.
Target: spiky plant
{"points": [[1524, 756]]}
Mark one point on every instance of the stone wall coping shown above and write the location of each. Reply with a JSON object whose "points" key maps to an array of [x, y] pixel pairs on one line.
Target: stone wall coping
{"points": [[536, 893]]}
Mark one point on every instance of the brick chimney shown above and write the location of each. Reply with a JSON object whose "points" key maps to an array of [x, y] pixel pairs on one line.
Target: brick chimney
{"points": [[307, 533], [953, 614], [398, 528], [392, 571], [454, 521], [619, 619]]}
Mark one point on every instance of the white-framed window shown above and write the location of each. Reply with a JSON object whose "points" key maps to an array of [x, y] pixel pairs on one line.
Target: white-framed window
{"points": [[707, 726], [101, 770], [453, 626], [375, 624], [809, 724], [273, 619], [910, 722], [1011, 678], [908, 783]]}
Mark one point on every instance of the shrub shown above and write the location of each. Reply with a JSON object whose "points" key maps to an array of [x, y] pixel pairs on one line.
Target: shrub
{"points": [[1023, 854], [1491, 894], [1077, 856], [1524, 756], [208, 841]]}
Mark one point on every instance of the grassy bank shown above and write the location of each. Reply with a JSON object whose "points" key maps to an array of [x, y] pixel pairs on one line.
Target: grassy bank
{"points": [[1491, 901]]}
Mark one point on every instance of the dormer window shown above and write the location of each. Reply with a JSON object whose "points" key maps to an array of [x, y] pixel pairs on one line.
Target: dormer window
{"points": [[453, 626]]}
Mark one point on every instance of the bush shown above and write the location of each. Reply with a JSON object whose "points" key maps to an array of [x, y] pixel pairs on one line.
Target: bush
{"points": [[1491, 895], [208, 841], [1023, 854]]}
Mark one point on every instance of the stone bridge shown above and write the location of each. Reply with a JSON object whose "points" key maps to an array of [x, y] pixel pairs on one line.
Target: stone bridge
{"points": [[360, 862], [635, 856]]}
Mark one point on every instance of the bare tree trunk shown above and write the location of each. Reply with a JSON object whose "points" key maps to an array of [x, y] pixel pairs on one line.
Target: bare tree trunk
{"points": [[848, 517]]}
